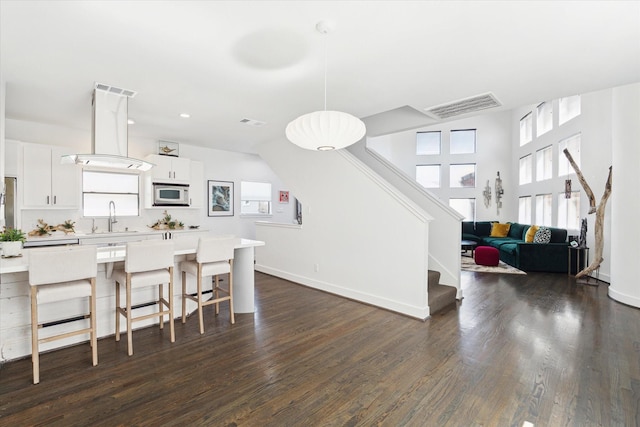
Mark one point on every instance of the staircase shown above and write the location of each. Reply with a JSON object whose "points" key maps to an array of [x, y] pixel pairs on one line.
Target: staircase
{"points": [[440, 296]]}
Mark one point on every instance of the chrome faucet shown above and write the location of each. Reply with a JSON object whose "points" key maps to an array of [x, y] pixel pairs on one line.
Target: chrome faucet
{"points": [[112, 218]]}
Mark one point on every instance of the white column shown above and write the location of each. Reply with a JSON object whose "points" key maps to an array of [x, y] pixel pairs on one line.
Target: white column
{"points": [[625, 199], [243, 280]]}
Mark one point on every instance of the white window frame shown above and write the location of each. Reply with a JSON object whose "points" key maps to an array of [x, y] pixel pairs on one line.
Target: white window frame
{"points": [[462, 132], [526, 129], [525, 169], [544, 209], [422, 180], [524, 209], [256, 198], [425, 149], [568, 108], [474, 173], [573, 143], [544, 163], [468, 216], [110, 188], [569, 211], [544, 118]]}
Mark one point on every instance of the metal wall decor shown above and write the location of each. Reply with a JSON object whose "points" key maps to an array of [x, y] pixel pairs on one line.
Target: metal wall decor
{"points": [[487, 195], [499, 193]]}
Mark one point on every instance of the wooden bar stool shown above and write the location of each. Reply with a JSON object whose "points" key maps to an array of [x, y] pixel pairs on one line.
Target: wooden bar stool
{"points": [[214, 256], [147, 263], [58, 274]]}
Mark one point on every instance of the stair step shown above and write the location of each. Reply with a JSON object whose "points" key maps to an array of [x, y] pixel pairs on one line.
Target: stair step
{"points": [[433, 278], [440, 296]]}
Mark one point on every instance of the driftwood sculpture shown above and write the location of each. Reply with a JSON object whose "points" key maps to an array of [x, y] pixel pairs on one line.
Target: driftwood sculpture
{"points": [[599, 211]]}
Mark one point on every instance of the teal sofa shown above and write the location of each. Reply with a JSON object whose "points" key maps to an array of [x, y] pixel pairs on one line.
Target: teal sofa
{"points": [[551, 257]]}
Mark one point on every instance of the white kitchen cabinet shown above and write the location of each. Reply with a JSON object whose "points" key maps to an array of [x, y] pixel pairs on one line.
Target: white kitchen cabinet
{"points": [[169, 169], [196, 185], [11, 156], [46, 182]]}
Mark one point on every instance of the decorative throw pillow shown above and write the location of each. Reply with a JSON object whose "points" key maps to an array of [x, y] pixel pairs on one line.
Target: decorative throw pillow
{"points": [[499, 230], [531, 232], [543, 235]]}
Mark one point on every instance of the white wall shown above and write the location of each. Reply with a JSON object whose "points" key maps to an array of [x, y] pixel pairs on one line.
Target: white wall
{"points": [[3, 98], [360, 238], [493, 154], [218, 165], [625, 199], [444, 230], [498, 149], [595, 125]]}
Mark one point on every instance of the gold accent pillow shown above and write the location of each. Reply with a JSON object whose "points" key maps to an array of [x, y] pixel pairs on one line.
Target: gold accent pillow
{"points": [[499, 230], [531, 232]]}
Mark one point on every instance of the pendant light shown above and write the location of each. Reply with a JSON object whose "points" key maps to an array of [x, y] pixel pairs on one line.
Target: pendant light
{"points": [[325, 130]]}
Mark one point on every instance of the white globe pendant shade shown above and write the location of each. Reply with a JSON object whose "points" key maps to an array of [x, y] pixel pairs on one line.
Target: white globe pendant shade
{"points": [[325, 130]]}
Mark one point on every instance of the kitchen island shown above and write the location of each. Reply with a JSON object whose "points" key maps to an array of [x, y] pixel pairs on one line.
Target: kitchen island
{"points": [[15, 320]]}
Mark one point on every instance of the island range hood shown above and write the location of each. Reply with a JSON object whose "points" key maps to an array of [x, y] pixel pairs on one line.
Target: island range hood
{"points": [[109, 133]]}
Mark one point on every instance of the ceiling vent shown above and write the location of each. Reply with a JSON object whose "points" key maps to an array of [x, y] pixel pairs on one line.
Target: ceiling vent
{"points": [[251, 122], [464, 106], [116, 90]]}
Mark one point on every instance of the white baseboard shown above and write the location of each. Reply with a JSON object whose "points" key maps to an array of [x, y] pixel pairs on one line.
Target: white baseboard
{"points": [[421, 313]]}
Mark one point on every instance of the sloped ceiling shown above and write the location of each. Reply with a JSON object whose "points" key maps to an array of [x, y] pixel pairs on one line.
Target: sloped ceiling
{"points": [[225, 61]]}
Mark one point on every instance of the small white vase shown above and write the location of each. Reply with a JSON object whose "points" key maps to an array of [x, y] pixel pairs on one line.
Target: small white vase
{"points": [[11, 249]]}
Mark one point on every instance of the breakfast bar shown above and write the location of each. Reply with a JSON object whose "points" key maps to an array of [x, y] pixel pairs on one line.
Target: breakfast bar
{"points": [[14, 292]]}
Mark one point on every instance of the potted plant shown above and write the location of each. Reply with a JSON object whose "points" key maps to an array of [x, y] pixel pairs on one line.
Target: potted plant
{"points": [[12, 239]]}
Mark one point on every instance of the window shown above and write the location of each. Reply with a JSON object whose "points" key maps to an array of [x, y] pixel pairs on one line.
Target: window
{"points": [[543, 209], [525, 169], [544, 122], [526, 129], [569, 211], [462, 175], [428, 176], [572, 144], [544, 162], [463, 141], [255, 198], [466, 207], [568, 108], [428, 143], [101, 188], [524, 210]]}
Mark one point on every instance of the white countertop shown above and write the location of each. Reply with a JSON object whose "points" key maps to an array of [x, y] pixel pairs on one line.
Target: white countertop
{"points": [[80, 235], [184, 244]]}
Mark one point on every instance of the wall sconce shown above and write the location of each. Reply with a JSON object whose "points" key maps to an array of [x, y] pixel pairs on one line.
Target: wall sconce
{"points": [[499, 193]]}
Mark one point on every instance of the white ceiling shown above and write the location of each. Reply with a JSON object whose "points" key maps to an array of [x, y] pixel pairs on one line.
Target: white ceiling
{"points": [[222, 61]]}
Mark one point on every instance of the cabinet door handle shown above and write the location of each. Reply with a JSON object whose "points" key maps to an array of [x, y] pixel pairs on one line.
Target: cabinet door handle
{"points": [[55, 200], [47, 199]]}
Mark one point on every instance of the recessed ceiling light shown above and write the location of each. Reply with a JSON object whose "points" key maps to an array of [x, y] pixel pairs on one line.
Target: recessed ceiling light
{"points": [[185, 115], [131, 122]]}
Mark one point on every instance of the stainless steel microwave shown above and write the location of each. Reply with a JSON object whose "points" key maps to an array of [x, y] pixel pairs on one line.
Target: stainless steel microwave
{"points": [[170, 194]]}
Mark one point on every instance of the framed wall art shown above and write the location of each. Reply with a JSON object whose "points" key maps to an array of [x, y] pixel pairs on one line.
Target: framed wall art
{"points": [[168, 148], [220, 198], [284, 197]]}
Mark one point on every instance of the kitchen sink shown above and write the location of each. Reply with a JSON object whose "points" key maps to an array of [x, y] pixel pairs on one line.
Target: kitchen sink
{"points": [[102, 233]]}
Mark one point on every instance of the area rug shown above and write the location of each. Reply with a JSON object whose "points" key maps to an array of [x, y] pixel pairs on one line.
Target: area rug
{"points": [[468, 264]]}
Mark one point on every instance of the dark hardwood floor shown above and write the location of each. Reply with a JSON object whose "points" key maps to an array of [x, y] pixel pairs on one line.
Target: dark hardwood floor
{"points": [[535, 348]]}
